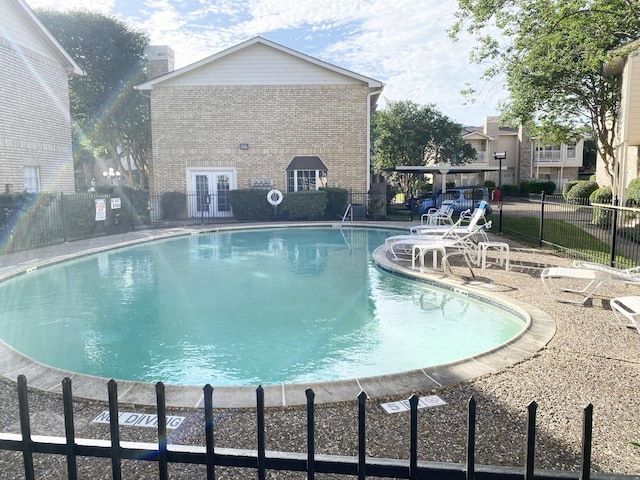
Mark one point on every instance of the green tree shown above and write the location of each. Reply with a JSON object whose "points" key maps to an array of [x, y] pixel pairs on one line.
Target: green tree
{"points": [[407, 134], [110, 118], [553, 54]]}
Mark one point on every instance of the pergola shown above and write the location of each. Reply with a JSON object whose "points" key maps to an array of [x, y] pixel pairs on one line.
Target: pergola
{"points": [[446, 168]]}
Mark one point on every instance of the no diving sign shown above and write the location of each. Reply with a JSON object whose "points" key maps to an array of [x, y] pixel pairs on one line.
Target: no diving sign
{"points": [[403, 405], [139, 420]]}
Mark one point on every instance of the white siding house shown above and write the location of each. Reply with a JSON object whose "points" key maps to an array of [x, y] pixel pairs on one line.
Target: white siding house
{"points": [[35, 124]]}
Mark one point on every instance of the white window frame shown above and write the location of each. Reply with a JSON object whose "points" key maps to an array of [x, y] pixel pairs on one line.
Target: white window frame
{"points": [[317, 179], [32, 179]]}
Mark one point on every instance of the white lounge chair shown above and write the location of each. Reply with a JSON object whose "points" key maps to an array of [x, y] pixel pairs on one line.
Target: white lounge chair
{"points": [[438, 216], [629, 308], [466, 217], [464, 245], [590, 276], [402, 245]]}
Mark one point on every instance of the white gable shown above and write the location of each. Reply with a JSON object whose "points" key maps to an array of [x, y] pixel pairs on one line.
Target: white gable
{"points": [[260, 62], [477, 136], [20, 26]]}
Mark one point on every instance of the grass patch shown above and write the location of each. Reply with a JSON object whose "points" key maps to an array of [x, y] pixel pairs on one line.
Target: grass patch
{"points": [[557, 232]]}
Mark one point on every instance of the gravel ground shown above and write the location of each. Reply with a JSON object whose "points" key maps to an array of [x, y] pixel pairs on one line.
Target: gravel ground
{"points": [[592, 359]]}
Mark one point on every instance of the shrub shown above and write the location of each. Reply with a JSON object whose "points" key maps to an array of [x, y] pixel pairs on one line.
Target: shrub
{"points": [[490, 184], [376, 208], [251, 204], [568, 186], [602, 216], [337, 199], [11, 204], [632, 193], [510, 190], [535, 186], [392, 191], [24, 219], [601, 195], [581, 191], [173, 204], [630, 233], [79, 215], [304, 205]]}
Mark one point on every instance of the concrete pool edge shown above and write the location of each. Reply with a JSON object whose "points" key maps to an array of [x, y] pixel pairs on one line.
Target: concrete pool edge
{"points": [[538, 333]]}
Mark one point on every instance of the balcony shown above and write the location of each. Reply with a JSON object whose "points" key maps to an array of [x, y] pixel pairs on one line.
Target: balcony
{"points": [[554, 159], [481, 157], [545, 158]]}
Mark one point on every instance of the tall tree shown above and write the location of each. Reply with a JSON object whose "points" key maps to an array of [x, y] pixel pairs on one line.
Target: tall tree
{"points": [[553, 54], [407, 134], [110, 117]]}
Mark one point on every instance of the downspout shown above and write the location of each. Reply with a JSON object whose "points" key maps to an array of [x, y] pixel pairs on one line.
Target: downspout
{"points": [[369, 112]]}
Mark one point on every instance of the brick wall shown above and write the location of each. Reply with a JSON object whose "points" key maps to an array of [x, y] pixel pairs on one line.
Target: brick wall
{"points": [[35, 127], [204, 126]]}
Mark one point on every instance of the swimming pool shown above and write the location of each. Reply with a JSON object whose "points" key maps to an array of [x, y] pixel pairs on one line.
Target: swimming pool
{"points": [[241, 308]]}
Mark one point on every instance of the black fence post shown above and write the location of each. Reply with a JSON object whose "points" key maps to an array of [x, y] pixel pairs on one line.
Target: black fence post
{"points": [[163, 464], [132, 212], [587, 437], [114, 428], [471, 440], [501, 205], [542, 198], [25, 429], [413, 443], [531, 441], [67, 400], [614, 232], [262, 469], [362, 437], [64, 226], [311, 442], [208, 431]]}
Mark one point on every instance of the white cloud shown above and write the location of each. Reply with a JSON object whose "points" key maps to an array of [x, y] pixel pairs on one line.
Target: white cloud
{"points": [[403, 43], [105, 6]]}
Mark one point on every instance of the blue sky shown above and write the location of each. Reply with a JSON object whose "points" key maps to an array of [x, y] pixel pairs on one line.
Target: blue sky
{"points": [[402, 43]]}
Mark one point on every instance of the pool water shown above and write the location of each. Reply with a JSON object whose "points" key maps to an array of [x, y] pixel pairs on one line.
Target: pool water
{"points": [[247, 307]]}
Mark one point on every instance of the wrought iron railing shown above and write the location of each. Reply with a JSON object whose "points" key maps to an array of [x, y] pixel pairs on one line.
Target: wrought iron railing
{"points": [[262, 461], [56, 220], [608, 233]]}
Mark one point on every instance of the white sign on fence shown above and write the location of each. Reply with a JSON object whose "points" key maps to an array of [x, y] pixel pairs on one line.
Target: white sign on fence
{"points": [[101, 209], [115, 203]]}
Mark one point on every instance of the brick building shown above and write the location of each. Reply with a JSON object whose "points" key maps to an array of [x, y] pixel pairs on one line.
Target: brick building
{"points": [[259, 115], [35, 123]]}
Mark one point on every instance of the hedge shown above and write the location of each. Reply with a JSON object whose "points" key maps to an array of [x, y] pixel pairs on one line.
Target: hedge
{"points": [[581, 191], [602, 217]]}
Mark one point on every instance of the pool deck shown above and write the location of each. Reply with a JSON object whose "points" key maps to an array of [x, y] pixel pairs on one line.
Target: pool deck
{"points": [[539, 330]]}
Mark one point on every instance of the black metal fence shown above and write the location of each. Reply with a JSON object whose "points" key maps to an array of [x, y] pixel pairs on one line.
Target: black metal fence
{"points": [[606, 233], [612, 231], [48, 219], [263, 461]]}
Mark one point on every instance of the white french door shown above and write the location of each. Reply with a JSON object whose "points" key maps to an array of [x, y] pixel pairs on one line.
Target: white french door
{"points": [[209, 193]]}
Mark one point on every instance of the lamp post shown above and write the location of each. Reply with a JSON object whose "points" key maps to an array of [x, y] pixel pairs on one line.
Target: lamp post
{"points": [[500, 156], [111, 174]]}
